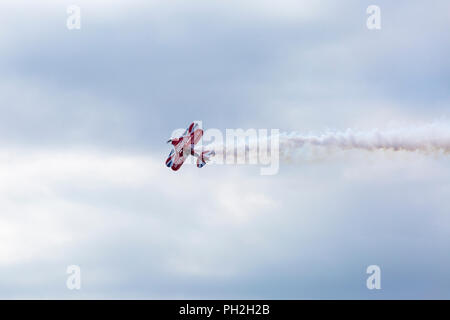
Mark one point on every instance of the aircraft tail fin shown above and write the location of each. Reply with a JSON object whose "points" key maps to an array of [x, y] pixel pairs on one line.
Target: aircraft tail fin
{"points": [[205, 156]]}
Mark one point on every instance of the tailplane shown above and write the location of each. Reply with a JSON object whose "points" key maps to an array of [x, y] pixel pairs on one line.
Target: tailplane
{"points": [[205, 156]]}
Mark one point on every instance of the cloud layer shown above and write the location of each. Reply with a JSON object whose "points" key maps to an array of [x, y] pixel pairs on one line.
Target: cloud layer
{"points": [[84, 116]]}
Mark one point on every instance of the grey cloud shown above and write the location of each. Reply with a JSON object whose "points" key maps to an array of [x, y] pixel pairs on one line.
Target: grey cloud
{"points": [[132, 74]]}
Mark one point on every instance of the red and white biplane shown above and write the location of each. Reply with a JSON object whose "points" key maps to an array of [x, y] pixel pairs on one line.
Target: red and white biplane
{"points": [[184, 146]]}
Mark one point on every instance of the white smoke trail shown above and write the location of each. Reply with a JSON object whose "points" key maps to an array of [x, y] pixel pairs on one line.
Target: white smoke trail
{"points": [[428, 139]]}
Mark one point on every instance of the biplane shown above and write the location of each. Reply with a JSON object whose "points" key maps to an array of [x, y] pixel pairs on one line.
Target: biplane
{"points": [[184, 146]]}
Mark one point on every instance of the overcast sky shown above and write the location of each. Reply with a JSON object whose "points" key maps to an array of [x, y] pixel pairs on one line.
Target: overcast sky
{"points": [[84, 116]]}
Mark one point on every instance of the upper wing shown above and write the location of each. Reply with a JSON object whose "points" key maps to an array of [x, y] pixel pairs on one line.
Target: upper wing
{"points": [[192, 127]]}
